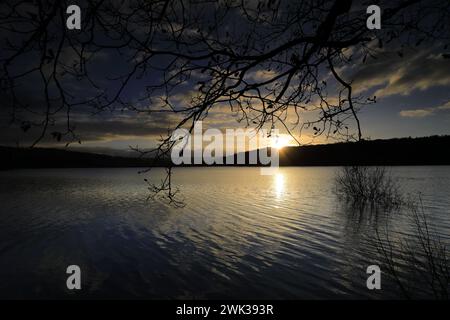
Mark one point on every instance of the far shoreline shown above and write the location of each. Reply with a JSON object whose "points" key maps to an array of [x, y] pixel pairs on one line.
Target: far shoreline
{"points": [[424, 151]]}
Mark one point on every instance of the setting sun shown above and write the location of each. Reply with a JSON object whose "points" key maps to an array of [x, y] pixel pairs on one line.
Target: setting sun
{"points": [[280, 142]]}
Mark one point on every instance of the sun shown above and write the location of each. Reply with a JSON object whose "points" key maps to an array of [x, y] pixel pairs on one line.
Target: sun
{"points": [[280, 142]]}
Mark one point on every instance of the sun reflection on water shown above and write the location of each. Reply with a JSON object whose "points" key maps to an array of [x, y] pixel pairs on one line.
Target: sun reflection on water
{"points": [[279, 185]]}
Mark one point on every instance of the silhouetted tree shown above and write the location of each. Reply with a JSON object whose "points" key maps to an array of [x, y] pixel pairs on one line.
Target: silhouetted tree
{"points": [[270, 62]]}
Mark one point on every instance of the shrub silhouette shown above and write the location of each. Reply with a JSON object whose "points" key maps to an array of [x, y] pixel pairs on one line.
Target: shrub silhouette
{"points": [[362, 185]]}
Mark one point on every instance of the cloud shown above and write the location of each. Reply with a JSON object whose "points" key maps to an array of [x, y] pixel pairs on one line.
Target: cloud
{"points": [[422, 113], [417, 113], [261, 75], [91, 129], [391, 74], [444, 106], [99, 130]]}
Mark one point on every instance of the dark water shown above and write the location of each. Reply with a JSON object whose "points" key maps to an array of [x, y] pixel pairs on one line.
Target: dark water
{"points": [[241, 235]]}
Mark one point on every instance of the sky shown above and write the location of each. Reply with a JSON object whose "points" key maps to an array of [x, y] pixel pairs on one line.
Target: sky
{"points": [[413, 94], [411, 85]]}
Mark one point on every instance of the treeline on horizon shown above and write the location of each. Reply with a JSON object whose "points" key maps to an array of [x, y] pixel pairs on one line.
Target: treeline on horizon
{"points": [[432, 150]]}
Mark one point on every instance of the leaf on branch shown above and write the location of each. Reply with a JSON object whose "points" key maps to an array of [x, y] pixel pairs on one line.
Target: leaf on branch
{"points": [[57, 135], [25, 126]]}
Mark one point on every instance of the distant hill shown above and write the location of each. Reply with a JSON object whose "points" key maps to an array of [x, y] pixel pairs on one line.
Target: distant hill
{"points": [[433, 150], [56, 158]]}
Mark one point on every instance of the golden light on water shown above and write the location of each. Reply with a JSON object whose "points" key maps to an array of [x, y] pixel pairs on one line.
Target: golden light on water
{"points": [[279, 184]]}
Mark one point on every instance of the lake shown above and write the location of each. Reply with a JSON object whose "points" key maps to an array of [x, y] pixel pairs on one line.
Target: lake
{"points": [[240, 235]]}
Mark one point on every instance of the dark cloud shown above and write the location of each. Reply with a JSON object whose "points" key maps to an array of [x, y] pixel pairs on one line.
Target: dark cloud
{"points": [[402, 72], [425, 112], [97, 129]]}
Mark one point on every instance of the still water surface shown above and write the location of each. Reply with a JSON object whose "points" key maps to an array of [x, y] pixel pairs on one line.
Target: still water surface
{"points": [[240, 235]]}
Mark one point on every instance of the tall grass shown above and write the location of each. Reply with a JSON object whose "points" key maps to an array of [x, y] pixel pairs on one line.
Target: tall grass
{"points": [[363, 185], [423, 252], [418, 261]]}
